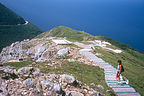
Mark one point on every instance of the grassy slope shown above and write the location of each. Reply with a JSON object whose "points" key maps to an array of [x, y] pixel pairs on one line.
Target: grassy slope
{"points": [[13, 32], [131, 58], [86, 74]]}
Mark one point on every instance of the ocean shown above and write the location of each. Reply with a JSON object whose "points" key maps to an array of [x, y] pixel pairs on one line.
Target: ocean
{"points": [[122, 20]]}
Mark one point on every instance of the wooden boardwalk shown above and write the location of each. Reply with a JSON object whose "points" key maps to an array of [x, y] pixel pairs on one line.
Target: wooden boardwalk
{"points": [[110, 74]]}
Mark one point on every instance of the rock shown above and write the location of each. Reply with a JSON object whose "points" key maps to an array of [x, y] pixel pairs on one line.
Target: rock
{"points": [[35, 93], [94, 93], [92, 84], [41, 59], [68, 93], [52, 88], [57, 88], [34, 63], [53, 76], [63, 52], [28, 72], [108, 91], [13, 52], [46, 85], [8, 70], [74, 93], [67, 79], [100, 87], [7, 73], [3, 89], [39, 52], [28, 83]]}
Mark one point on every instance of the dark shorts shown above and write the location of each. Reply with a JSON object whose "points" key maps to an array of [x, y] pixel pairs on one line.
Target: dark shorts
{"points": [[117, 74]]}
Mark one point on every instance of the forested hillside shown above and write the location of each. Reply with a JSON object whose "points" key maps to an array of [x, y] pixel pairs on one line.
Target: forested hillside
{"points": [[13, 27]]}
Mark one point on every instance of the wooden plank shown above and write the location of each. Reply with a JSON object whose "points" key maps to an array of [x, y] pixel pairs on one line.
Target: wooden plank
{"points": [[117, 85], [128, 94], [124, 89]]}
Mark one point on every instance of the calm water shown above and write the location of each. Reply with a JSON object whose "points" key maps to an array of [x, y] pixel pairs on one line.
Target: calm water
{"points": [[122, 20]]}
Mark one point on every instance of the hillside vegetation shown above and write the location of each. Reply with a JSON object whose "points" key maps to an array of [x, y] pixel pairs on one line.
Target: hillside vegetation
{"points": [[8, 17], [12, 28], [131, 58]]}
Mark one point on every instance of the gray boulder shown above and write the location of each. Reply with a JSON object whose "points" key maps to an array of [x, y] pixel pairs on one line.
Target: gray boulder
{"points": [[39, 52], [35, 93], [74, 93], [51, 87], [3, 88], [63, 52], [7, 73], [67, 79], [57, 88], [26, 72], [94, 93], [28, 83], [41, 59], [8, 70], [46, 85], [100, 87]]}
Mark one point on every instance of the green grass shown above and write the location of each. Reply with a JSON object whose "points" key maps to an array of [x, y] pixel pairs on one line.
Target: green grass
{"points": [[18, 65], [134, 67], [86, 74], [71, 34]]}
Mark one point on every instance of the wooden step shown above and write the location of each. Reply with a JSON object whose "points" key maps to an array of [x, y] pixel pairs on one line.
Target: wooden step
{"points": [[124, 89], [128, 94]]}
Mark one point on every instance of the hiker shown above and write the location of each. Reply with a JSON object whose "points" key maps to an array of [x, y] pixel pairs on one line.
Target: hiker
{"points": [[119, 69]]}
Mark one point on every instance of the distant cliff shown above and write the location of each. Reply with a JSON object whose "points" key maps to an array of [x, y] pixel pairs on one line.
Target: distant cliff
{"points": [[14, 28]]}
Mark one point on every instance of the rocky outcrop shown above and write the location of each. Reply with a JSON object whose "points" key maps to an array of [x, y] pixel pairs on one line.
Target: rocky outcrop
{"points": [[31, 82], [68, 79], [26, 72], [14, 52], [62, 52], [38, 49]]}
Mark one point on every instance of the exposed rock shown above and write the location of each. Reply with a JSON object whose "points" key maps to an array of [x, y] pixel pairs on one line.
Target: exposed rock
{"points": [[41, 59], [7, 73], [40, 85], [35, 93], [74, 93], [63, 52], [100, 87], [51, 88], [39, 52], [28, 83], [3, 89], [108, 91], [67, 79], [94, 93], [92, 84], [26, 72], [13, 52]]}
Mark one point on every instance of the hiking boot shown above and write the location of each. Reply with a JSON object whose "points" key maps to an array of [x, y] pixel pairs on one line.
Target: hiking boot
{"points": [[127, 82]]}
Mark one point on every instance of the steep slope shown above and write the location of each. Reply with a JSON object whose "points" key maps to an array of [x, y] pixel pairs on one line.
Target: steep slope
{"points": [[131, 58], [7, 17], [14, 28]]}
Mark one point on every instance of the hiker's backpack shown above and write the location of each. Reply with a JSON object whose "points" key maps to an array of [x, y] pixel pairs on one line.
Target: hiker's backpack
{"points": [[122, 68]]}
